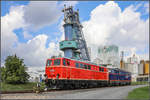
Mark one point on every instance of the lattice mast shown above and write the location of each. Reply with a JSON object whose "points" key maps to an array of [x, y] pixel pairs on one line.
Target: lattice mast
{"points": [[74, 45]]}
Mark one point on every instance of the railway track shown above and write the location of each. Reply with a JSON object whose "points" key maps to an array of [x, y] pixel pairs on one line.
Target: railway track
{"points": [[29, 91], [11, 92], [53, 90]]}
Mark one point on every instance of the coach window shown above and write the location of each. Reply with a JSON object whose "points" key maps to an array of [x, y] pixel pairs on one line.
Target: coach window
{"points": [[64, 62], [89, 67], [109, 71], [49, 62], [77, 65], [112, 71], [115, 71], [57, 62], [120, 72]]}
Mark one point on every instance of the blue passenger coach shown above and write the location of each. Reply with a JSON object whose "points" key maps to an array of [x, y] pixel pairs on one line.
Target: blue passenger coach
{"points": [[119, 77]]}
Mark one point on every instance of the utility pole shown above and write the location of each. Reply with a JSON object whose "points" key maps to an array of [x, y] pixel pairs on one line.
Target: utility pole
{"points": [[122, 58]]}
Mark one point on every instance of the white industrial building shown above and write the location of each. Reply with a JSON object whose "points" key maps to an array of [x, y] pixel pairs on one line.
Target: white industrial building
{"points": [[89, 51], [109, 55], [132, 66], [35, 73], [98, 61], [140, 69], [134, 61]]}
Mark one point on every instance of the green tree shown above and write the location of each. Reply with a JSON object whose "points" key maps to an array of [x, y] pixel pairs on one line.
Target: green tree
{"points": [[3, 73], [15, 70]]}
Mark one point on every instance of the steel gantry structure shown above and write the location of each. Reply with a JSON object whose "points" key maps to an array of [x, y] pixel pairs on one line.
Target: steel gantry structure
{"points": [[74, 45]]}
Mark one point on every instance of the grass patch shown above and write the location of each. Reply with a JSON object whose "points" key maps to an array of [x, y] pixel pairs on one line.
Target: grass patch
{"points": [[19, 87], [139, 83], [139, 93]]}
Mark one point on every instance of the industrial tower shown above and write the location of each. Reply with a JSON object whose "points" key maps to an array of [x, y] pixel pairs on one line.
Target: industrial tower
{"points": [[74, 45]]}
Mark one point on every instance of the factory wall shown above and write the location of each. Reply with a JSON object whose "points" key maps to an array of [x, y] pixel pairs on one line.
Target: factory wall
{"points": [[137, 70], [143, 68], [109, 55], [146, 67], [128, 67], [140, 69]]}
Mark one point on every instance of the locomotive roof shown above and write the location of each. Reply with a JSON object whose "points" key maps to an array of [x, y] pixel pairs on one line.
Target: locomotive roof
{"points": [[118, 69], [79, 61]]}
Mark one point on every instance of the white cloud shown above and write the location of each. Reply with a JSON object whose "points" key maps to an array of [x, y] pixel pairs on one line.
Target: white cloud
{"points": [[97, 29], [9, 22], [146, 5], [109, 25], [69, 3], [143, 56], [34, 52], [41, 13]]}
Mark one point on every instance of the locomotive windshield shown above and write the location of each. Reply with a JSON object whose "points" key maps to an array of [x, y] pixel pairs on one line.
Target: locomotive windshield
{"points": [[49, 62], [57, 62]]}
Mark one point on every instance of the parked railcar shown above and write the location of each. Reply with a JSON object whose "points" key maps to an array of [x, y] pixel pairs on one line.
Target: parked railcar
{"points": [[119, 77]]}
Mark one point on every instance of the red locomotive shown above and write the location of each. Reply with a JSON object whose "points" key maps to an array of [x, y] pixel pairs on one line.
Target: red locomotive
{"points": [[70, 73], [64, 72]]}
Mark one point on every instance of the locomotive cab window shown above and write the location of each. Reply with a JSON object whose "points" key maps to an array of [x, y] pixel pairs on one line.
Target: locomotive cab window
{"points": [[49, 62], [57, 62]]}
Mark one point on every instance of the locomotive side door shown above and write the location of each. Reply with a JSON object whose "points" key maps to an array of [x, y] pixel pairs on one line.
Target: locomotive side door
{"points": [[68, 69]]}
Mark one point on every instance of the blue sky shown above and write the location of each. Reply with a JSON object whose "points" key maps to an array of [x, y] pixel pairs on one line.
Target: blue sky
{"points": [[84, 6], [85, 9]]}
